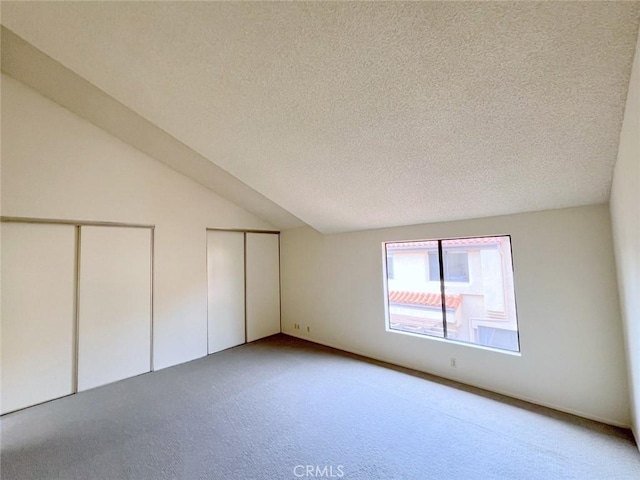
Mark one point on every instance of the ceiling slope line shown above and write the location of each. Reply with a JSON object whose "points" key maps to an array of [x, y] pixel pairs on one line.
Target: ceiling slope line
{"points": [[32, 67]]}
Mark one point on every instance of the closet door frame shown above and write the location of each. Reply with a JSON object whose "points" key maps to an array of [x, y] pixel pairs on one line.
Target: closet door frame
{"points": [[244, 232], [78, 224]]}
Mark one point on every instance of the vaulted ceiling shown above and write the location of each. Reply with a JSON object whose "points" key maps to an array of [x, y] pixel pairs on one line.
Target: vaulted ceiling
{"points": [[362, 115]]}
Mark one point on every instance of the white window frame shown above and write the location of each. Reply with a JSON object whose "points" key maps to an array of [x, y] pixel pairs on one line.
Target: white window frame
{"points": [[443, 285]]}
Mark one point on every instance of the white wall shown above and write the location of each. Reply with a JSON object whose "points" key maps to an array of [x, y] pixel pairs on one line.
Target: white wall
{"points": [[570, 329], [57, 165], [625, 218]]}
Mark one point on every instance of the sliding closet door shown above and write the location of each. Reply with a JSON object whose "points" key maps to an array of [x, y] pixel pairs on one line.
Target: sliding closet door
{"points": [[115, 304], [38, 313], [262, 285], [225, 273]]}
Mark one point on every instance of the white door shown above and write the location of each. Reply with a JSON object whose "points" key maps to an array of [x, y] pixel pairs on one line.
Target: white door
{"points": [[225, 275], [114, 304], [262, 285], [38, 313]]}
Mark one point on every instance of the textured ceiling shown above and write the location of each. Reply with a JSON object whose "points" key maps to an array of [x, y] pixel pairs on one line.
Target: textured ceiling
{"points": [[363, 115]]}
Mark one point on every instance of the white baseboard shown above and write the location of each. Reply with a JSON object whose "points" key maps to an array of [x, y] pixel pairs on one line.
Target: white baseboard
{"points": [[635, 436]]}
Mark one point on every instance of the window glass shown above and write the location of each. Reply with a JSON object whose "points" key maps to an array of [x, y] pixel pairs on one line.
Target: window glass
{"points": [[478, 305]]}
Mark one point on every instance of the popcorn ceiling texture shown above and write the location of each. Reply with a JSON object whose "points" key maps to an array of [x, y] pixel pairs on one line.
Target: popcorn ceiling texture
{"points": [[365, 115]]}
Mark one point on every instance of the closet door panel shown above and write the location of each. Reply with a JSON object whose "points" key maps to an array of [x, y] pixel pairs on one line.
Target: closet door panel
{"points": [[38, 313], [225, 273], [114, 304], [262, 285]]}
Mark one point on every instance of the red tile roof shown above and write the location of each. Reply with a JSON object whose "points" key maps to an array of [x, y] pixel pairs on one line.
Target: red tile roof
{"points": [[425, 299], [427, 244]]}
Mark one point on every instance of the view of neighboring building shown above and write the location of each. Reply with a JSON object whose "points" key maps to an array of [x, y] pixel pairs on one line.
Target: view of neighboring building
{"points": [[479, 298]]}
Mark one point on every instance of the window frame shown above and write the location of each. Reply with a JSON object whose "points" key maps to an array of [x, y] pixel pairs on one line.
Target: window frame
{"points": [[443, 284]]}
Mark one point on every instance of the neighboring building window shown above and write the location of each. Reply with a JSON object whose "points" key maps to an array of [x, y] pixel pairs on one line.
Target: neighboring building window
{"points": [[434, 267], [390, 266], [497, 337], [456, 267], [473, 301]]}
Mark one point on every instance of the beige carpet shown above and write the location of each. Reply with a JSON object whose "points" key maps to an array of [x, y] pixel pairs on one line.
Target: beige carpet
{"points": [[282, 408]]}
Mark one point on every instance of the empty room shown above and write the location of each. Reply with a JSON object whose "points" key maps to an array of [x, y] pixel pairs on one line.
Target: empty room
{"points": [[283, 240]]}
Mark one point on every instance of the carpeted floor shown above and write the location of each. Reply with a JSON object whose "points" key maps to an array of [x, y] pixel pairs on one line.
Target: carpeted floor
{"points": [[282, 408]]}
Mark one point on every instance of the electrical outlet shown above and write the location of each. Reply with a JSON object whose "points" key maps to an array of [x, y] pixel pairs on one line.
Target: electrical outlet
{"points": [[454, 362], [308, 328]]}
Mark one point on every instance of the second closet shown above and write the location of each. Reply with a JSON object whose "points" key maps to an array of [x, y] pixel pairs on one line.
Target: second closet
{"points": [[243, 271]]}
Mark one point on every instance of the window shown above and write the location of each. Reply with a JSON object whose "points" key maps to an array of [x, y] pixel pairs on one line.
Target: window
{"points": [[456, 267], [389, 266], [434, 267], [469, 298]]}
